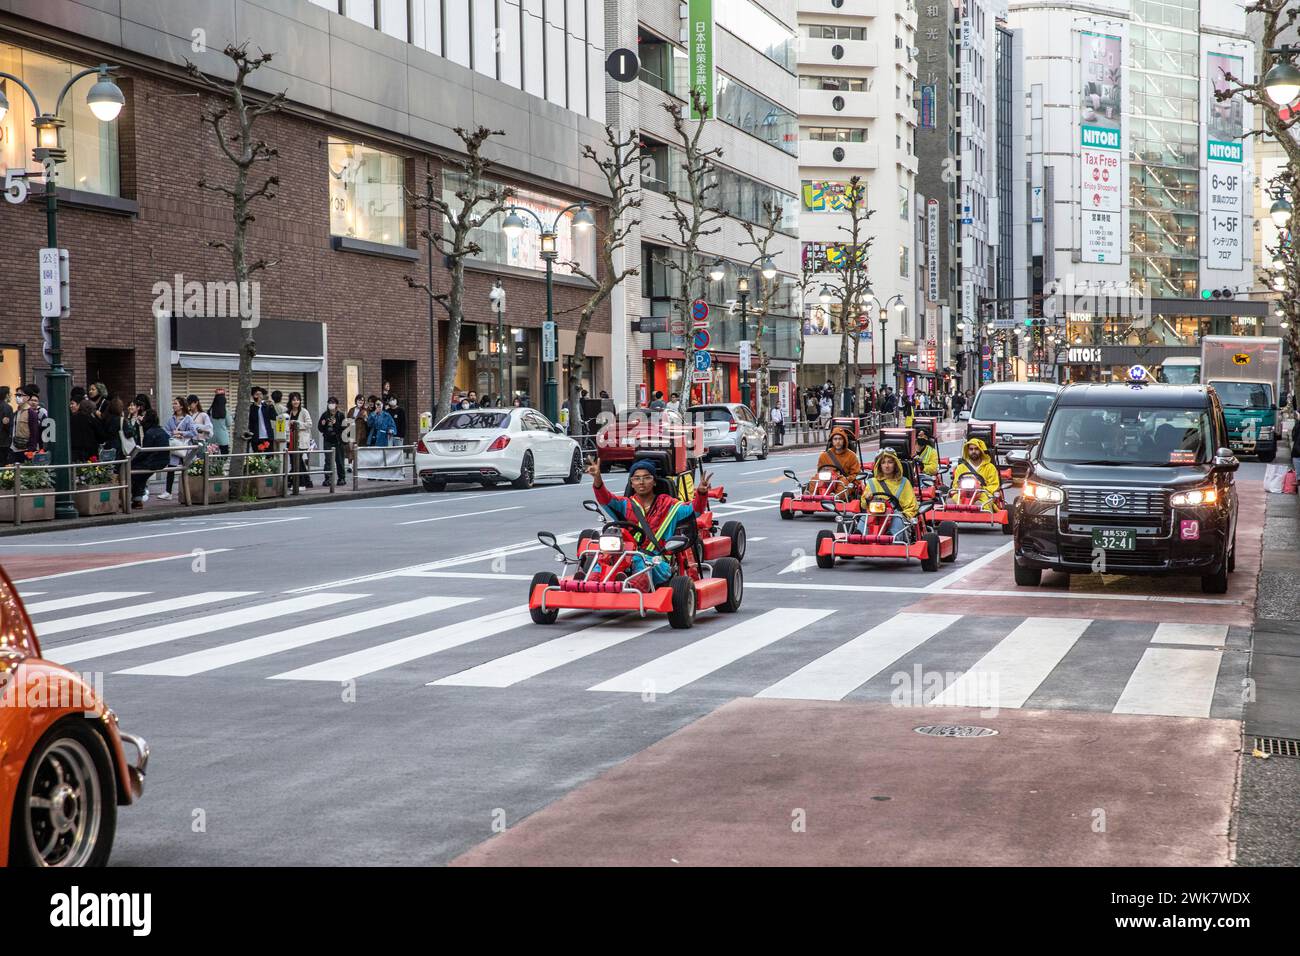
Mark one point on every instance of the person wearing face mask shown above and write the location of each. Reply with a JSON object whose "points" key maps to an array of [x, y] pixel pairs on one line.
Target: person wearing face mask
{"points": [[331, 426], [6, 425]]}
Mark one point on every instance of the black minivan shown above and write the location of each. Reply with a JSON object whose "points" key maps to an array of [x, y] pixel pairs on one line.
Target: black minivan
{"points": [[1130, 479]]}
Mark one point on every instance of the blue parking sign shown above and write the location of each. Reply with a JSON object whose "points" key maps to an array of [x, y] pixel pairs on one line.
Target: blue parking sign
{"points": [[703, 360]]}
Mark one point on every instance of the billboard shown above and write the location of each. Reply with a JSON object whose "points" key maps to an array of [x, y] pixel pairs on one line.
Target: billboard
{"points": [[1101, 165], [932, 250], [700, 49], [822, 195], [1224, 222]]}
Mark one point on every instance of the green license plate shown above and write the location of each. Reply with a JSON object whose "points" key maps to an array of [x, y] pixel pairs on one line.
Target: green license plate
{"points": [[1114, 539]]}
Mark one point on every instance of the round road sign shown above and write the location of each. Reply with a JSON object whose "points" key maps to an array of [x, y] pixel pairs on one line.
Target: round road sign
{"points": [[702, 361], [701, 338], [623, 65], [699, 310]]}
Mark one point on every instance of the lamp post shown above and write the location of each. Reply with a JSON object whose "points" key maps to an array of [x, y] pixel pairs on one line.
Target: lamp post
{"points": [[768, 270], [512, 227], [497, 296], [105, 100], [883, 311], [742, 290]]}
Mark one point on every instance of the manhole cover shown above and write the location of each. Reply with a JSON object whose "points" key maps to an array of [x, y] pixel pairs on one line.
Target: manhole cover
{"points": [[955, 730]]}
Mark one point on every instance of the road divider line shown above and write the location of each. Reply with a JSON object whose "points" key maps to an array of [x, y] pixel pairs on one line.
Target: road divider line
{"points": [[1172, 682], [406, 649], [146, 537], [1083, 596], [762, 471], [838, 673], [1008, 675], [674, 670], [177, 630], [469, 575], [99, 568], [864, 588], [463, 514], [212, 658], [540, 658], [81, 600], [956, 575], [103, 618], [1206, 635]]}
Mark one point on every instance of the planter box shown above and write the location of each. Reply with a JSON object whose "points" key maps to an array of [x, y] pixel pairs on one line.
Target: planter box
{"points": [[39, 508], [96, 501], [264, 486], [218, 489]]}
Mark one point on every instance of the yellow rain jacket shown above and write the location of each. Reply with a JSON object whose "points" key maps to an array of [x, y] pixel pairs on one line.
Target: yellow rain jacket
{"points": [[987, 471], [899, 487], [929, 460]]}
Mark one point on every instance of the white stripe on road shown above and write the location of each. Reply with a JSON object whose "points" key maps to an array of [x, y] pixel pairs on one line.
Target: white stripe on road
{"points": [[471, 575], [372, 659], [838, 673], [463, 514], [956, 575], [99, 597], [1171, 682], [212, 658], [164, 633], [99, 618], [1008, 675], [663, 675], [1206, 635], [113, 567], [29, 594], [146, 537], [513, 668], [763, 471]]}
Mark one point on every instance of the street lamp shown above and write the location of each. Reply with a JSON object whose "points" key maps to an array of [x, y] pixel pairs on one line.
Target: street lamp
{"points": [[497, 296], [824, 297], [717, 270], [513, 226], [1280, 212], [105, 100], [1282, 83], [742, 290]]}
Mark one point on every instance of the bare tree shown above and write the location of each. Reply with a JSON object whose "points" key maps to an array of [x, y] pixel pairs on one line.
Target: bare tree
{"points": [[693, 215], [474, 201], [759, 239], [244, 151], [620, 170], [1286, 185], [854, 283]]}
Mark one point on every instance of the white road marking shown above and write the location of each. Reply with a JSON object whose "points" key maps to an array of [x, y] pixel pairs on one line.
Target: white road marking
{"points": [[863, 588], [663, 675], [1206, 635], [470, 575], [836, 674], [1090, 596], [960, 572], [147, 537], [406, 649], [800, 564], [100, 618], [81, 600], [463, 514], [530, 662], [1008, 675], [114, 567], [764, 471], [186, 665], [176, 630], [1171, 682]]}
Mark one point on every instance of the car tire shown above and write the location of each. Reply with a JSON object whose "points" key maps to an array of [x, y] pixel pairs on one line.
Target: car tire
{"points": [[682, 615], [742, 450], [1010, 526], [931, 560], [434, 484], [82, 758], [736, 532], [526, 472], [1216, 583], [729, 569], [824, 561], [948, 529], [1028, 577], [786, 515], [536, 613], [575, 469], [1269, 457]]}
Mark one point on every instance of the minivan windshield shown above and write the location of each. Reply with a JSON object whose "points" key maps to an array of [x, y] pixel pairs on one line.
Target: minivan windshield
{"points": [[1128, 435], [1245, 394], [1009, 406]]}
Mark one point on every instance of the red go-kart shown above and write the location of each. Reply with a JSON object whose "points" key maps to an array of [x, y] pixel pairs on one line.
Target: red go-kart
{"points": [[921, 539], [828, 484], [969, 504]]}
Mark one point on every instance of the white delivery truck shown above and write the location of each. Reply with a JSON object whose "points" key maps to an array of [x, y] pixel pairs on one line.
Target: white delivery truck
{"points": [[1246, 371]]}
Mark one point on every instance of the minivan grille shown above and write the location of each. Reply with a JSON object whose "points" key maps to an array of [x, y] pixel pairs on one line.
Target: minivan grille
{"points": [[1093, 501]]}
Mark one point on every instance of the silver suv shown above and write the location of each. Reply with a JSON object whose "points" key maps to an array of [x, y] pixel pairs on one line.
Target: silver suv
{"points": [[730, 429], [1017, 410]]}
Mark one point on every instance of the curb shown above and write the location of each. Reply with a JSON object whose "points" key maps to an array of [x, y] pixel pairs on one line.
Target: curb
{"points": [[199, 510]]}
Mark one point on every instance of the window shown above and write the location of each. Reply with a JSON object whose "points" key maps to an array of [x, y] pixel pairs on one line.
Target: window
{"points": [[758, 28], [841, 84], [823, 31], [902, 260], [756, 114], [92, 162], [655, 159], [902, 202], [1128, 435], [836, 134], [366, 194]]}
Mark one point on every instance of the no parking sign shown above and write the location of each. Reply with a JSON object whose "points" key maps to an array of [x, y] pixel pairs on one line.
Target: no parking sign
{"points": [[701, 339]]}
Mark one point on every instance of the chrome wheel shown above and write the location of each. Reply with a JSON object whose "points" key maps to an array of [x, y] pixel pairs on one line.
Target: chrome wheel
{"points": [[64, 805]]}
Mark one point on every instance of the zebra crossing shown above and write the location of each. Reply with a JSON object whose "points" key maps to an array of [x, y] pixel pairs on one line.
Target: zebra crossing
{"points": [[1183, 670]]}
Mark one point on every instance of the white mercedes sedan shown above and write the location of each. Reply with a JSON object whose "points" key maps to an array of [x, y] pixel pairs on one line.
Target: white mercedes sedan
{"points": [[492, 445]]}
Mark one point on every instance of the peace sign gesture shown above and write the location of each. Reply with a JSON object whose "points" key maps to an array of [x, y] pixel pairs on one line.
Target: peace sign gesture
{"points": [[705, 484]]}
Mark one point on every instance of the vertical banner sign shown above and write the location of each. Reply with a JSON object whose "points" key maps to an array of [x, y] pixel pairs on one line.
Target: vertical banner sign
{"points": [[700, 22], [1101, 171], [932, 250], [927, 107], [1224, 235]]}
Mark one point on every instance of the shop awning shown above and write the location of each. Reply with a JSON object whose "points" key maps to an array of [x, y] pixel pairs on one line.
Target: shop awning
{"points": [[261, 363]]}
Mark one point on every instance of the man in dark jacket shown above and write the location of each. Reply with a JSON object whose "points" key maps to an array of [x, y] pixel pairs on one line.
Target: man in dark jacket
{"points": [[145, 463], [85, 432], [261, 420], [399, 418], [331, 432]]}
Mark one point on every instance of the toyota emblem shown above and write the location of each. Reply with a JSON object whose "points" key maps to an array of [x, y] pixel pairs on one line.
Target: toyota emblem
{"points": [[1115, 502]]}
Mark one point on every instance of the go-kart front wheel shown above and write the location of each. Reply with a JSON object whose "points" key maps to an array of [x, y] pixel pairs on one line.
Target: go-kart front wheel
{"points": [[682, 614], [824, 561], [786, 515], [931, 560], [536, 613], [728, 569], [736, 532], [948, 529]]}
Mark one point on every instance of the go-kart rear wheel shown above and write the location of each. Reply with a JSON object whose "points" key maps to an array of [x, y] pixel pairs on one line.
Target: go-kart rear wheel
{"points": [[931, 560], [1010, 526], [736, 532], [948, 529], [729, 570], [682, 614], [786, 515], [824, 561], [536, 613]]}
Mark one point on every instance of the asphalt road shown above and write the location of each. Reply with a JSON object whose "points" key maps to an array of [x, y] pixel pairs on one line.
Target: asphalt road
{"points": [[359, 683]]}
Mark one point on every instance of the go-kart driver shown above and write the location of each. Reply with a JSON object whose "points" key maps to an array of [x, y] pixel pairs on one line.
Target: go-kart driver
{"points": [[840, 456], [660, 513], [887, 478], [975, 461], [929, 455]]}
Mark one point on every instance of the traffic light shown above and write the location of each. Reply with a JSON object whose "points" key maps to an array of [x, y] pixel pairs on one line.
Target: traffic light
{"points": [[1217, 294]]}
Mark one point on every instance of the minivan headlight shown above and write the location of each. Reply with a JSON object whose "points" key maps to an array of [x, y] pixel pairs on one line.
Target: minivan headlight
{"points": [[1197, 496], [1044, 493]]}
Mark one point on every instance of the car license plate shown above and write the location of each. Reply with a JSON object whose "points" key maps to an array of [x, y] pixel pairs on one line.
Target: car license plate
{"points": [[460, 446], [1114, 539]]}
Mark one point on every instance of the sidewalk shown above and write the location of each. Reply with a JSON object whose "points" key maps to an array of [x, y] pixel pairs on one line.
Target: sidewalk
{"points": [[1269, 798]]}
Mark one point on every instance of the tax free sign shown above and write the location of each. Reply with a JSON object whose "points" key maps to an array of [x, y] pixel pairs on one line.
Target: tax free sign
{"points": [[700, 47]]}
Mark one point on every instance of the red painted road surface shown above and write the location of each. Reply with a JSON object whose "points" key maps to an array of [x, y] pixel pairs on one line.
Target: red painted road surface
{"points": [[30, 566]]}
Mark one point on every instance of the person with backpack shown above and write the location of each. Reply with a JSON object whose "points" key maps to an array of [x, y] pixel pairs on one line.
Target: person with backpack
{"points": [[28, 424]]}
